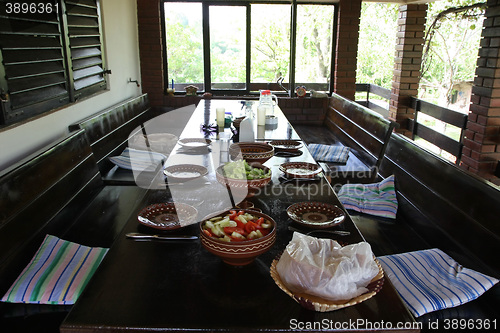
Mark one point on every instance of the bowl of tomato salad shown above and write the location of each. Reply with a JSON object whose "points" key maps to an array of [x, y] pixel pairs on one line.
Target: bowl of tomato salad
{"points": [[238, 236]]}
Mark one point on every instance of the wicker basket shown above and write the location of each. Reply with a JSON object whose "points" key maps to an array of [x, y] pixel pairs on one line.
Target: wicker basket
{"points": [[319, 304]]}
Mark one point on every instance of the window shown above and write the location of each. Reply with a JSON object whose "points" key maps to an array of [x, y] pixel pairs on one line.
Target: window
{"points": [[227, 47], [241, 47], [51, 53]]}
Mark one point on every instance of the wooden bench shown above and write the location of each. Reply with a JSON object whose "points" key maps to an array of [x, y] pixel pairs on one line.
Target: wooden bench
{"points": [[440, 206], [350, 124], [108, 132], [56, 191]]}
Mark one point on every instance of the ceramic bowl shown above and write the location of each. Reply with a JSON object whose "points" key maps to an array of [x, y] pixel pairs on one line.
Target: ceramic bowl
{"points": [[243, 252], [316, 215], [286, 145], [167, 215], [251, 151], [250, 185], [184, 172], [300, 169]]}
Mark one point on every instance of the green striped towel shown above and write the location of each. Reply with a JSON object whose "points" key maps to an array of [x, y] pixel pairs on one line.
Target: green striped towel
{"points": [[57, 274], [377, 199]]}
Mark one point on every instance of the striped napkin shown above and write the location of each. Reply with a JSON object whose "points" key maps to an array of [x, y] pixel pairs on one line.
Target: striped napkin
{"points": [[57, 273], [431, 280], [139, 160], [327, 153], [377, 199]]}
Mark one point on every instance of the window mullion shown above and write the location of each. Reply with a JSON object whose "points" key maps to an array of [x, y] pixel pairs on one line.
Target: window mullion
{"points": [[206, 48], [334, 47], [293, 37], [249, 48]]}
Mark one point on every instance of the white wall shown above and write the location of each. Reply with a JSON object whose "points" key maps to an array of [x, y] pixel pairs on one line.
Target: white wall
{"points": [[122, 55]]}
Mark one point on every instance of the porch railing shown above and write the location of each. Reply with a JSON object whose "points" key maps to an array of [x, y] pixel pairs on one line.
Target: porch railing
{"points": [[419, 130]]}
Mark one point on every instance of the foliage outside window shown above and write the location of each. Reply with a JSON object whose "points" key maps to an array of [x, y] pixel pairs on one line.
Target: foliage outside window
{"points": [[248, 46], [51, 54], [450, 51], [377, 31]]}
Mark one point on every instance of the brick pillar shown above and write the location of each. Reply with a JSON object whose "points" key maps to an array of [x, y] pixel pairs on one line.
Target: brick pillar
{"points": [[408, 58], [481, 151], [347, 48], [150, 50]]}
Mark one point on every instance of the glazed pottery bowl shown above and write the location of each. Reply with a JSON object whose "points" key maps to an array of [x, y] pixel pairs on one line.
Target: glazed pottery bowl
{"points": [[239, 253], [241, 185], [167, 215], [300, 169], [251, 151]]}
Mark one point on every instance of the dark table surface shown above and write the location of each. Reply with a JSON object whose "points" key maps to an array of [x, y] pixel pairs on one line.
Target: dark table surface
{"points": [[178, 285]]}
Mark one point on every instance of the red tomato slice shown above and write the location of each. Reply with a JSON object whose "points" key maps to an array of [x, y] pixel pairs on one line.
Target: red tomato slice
{"points": [[208, 233], [239, 224], [250, 226], [259, 221], [230, 230]]}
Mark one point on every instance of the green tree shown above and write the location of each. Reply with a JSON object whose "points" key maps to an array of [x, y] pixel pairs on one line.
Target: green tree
{"points": [[184, 48], [450, 52], [270, 42], [377, 37]]}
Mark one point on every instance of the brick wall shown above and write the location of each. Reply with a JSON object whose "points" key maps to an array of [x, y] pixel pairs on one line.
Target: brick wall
{"points": [[481, 151], [408, 57], [150, 50], [304, 111], [347, 48]]}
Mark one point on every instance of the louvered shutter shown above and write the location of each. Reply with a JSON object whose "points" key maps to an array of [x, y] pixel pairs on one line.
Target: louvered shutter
{"points": [[85, 46], [51, 59], [34, 77]]}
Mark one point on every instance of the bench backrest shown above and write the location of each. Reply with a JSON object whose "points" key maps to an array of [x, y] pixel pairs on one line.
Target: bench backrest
{"points": [[438, 198], [108, 130], [34, 190], [360, 128]]}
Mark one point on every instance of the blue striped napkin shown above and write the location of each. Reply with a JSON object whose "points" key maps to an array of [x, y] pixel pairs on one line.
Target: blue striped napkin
{"points": [[377, 199], [139, 160], [57, 273], [431, 280], [327, 153]]}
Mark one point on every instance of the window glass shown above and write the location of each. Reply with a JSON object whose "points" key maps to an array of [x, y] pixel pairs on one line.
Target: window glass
{"points": [[270, 47], [184, 37], [228, 47], [314, 45]]}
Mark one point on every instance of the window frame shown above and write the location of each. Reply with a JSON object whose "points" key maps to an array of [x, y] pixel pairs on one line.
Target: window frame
{"points": [[251, 88], [80, 38]]}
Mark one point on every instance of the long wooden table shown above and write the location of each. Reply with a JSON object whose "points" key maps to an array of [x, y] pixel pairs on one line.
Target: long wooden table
{"points": [[178, 285]]}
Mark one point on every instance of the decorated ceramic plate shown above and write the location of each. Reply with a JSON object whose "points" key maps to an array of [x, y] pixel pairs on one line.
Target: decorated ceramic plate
{"points": [[300, 169], [195, 143], [167, 216], [184, 172], [319, 304], [316, 214], [288, 145]]}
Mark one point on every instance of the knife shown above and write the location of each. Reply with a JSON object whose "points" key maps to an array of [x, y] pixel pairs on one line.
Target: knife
{"points": [[137, 235]]}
